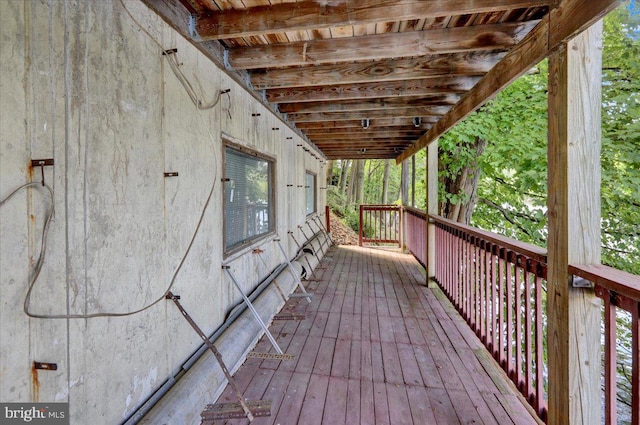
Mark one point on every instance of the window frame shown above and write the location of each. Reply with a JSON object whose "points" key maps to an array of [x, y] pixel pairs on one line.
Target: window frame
{"points": [[243, 150], [315, 192]]}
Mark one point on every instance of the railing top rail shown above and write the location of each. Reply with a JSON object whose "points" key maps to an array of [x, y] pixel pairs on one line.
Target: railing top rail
{"points": [[415, 211], [380, 206], [619, 281], [532, 251]]}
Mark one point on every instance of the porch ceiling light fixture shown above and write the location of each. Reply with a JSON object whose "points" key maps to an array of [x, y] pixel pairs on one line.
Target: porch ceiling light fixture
{"points": [[365, 123], [417, 121], [363, 150]]}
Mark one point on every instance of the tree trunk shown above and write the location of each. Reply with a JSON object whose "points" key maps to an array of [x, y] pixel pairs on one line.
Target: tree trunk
{"points": [[351, 188], [413, 181], [360, 185], [329, 172], [404, 183], [385, 182], [464, 184], [343, 175]]}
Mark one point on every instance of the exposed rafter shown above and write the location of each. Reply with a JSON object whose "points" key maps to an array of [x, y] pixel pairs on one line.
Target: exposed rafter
{"points": [[429, 111], [424, 87], [379, 123], [381, 46], [451, 65], [370, 104], [314, 15]]}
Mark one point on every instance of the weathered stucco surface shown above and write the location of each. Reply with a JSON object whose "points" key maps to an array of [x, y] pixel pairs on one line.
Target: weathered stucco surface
{"points": [[81, 83]]}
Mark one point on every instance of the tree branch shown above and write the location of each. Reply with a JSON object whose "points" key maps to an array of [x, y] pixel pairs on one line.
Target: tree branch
{"points": [[507, 215], [502, 181]]}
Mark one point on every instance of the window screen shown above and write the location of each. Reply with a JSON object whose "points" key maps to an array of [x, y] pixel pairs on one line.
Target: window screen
{"points": [[248, 198], [310, 192]]}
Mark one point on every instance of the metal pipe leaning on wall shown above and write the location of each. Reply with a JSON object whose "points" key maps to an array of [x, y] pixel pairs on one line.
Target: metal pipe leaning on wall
{"points": [[174, 401], [191, 360]]}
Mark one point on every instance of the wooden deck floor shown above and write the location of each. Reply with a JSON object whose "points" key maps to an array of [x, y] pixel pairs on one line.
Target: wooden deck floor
{"points": [[377, 347]]}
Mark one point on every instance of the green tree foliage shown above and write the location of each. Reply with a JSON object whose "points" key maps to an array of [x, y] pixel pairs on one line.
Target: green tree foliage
{"points": [[512, 189], [621, 140]]}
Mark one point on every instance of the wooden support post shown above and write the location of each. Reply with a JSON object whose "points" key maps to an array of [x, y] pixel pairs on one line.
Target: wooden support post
{"points": [[413, 181], [432, 208], [404, 198], [327, 213], [574, 228]]}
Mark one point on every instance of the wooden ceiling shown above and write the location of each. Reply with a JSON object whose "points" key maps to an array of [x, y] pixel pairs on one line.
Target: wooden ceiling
{"points": [[365, 78]]}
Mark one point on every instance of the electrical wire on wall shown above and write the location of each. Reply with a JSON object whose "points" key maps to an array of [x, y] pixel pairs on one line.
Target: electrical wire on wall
{"points": [[200, 105]]}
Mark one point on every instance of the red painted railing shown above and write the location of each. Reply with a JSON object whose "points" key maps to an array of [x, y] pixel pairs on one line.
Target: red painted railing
{"points": [[327, 216], [619, 291], [380, 224], [415, 236], [496, 284]]}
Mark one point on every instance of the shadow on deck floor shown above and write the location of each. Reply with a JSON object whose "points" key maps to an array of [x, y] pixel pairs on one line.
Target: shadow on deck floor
{"points": [[377, 347]]}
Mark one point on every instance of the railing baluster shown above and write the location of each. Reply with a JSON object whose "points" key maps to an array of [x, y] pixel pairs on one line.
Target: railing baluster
{"points": [[469, 265], [478, 286], [528, 332], [460, 271], [510, 289], [519, 314], [501, 283], [540, 404], [635, 367], [610, 413], [487, 296], [494, 294]]}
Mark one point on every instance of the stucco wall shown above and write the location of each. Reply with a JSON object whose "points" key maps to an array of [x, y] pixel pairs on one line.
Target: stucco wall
{"points": [[81, 83]]}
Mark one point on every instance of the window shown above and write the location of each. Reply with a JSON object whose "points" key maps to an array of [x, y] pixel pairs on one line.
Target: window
{"points": [[310, 192], [248, 197]]}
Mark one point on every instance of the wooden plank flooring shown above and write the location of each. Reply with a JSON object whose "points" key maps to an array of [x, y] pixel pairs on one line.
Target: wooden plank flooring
{"points": [[377, 347]]}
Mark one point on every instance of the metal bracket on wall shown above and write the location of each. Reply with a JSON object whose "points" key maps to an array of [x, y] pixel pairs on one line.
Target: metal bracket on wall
{"points": [[45, 366], [48, 162]]}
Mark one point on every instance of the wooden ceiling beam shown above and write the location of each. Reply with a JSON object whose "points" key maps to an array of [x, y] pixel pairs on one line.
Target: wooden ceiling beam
{"points": [[356, 125], [349, 144], [372, 104], [380, 46], [387, 131], [455, 64], [358, 154], [346, 146], [313, 15], [370, 137], [420, 111], [423, 87], [561, 24], [345, 156]]}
